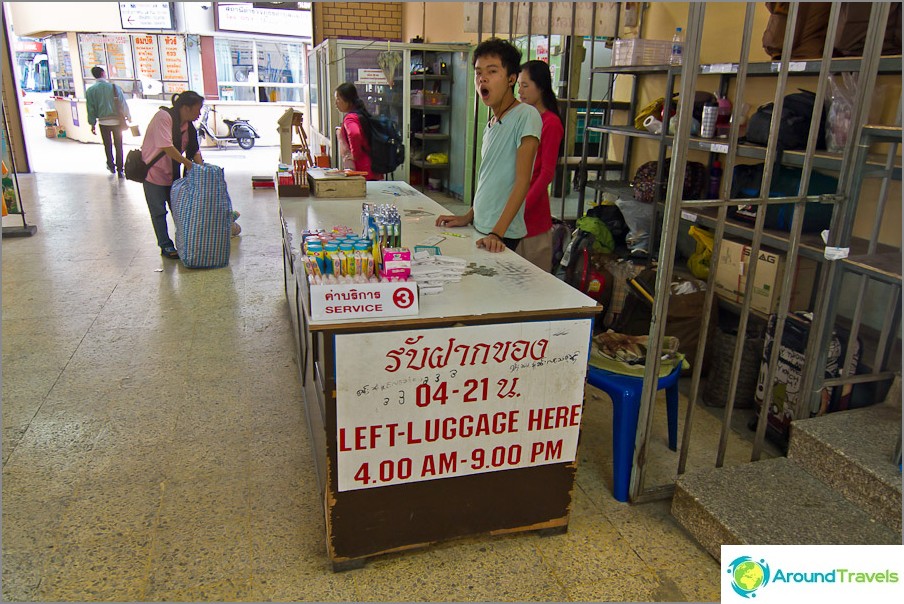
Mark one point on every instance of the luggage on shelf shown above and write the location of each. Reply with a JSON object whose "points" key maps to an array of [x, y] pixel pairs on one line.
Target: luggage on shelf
{"points": [[202, 213], [789, 372]]}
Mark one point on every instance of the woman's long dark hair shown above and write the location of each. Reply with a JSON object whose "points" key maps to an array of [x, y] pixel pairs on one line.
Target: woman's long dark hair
{"points": [[540, 76], [349, 94]]}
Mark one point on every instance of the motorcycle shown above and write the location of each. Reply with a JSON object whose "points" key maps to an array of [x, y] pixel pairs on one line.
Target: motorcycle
{"points": [[240, 131]]}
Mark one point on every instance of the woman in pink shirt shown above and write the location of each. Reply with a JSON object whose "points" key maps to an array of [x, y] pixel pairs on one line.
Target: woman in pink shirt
{"points": [[354, 134], [535, 88], [170, 143]]}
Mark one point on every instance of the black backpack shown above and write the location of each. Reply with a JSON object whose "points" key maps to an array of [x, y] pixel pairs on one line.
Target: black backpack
{"points": [[386, 149], [794, 127]]}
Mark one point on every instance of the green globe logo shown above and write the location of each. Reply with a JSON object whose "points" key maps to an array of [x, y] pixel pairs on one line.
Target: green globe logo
{"points": [[748, 575]]}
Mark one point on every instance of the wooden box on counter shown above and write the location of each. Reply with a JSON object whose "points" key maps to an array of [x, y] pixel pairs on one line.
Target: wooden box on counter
{"points": [[324, 184]]}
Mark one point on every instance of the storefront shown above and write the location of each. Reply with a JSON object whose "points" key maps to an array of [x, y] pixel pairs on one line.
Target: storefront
{"points": [[238, 56]]}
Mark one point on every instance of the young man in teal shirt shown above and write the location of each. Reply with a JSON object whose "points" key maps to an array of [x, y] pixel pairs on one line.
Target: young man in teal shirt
{"points": [[510, 141], [107, 106]]}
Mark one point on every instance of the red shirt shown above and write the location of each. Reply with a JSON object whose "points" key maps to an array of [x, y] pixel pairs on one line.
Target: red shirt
{"points": [[537, 216], [357, 143]]}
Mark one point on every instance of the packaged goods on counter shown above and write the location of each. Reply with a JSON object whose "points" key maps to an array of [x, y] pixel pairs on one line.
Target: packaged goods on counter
{"points": [[344, 278], [396, 263], [432, 272]]}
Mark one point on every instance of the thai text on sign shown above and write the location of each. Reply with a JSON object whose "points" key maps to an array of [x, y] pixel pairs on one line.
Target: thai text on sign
{"points": [[432, 404], [173, 48]]}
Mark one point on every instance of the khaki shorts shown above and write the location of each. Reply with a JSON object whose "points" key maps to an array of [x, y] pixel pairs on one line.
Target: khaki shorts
{"points": [[537, 250]]}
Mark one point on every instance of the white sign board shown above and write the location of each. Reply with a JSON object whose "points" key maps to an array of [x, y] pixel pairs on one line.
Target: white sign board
{"points": [[372, 76], [147, 56], [363, 301], [246, 18], [173, 48], [145, 15], [439, 403]]}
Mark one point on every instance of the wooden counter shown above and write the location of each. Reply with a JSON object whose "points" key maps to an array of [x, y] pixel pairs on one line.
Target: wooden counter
{"points": [[461, 420]]}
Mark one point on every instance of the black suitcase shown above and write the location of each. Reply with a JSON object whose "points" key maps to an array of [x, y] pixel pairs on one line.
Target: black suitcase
{"points": [[789, 372]]}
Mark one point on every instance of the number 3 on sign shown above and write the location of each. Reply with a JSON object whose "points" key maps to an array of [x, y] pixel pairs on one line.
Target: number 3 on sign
{"points": [[403, 298]]}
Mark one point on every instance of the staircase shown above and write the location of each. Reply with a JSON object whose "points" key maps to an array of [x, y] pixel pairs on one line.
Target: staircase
{"points": [[838, 485]]}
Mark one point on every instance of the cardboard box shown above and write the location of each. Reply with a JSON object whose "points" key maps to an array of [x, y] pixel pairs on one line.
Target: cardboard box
{"points": [[731, 277], [51, 131], [336, 185]]}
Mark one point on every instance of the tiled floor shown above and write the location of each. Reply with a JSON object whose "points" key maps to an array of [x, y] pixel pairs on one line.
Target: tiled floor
{"points": [[154, 447]]}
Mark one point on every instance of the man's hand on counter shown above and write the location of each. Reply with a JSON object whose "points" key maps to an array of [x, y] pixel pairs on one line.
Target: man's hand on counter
{"points": [[450, 220], [491, 243]]}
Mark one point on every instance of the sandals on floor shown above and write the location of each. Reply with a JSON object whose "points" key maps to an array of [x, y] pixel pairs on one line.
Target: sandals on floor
{"points": [[169, 252]]}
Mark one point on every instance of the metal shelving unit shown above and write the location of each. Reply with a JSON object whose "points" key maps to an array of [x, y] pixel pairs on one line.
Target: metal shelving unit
{"points": [[868, 261], [424, 143]]}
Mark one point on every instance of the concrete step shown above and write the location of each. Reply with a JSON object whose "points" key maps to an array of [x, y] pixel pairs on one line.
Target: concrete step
{"points": [[851, 451], [770, 502]]}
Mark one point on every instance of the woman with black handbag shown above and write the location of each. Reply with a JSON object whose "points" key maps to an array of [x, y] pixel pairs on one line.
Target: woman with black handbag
{"points": [[169, 133]]}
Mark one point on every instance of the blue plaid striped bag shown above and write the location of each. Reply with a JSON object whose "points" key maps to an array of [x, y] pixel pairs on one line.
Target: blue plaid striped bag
{"points": [[202, 212]]}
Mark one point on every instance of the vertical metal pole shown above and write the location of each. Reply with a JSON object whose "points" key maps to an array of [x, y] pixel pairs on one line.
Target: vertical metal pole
{"points": [[476, 112], [724, 193], [795, 236], [842, 220], [582, 170], [691, 59]]}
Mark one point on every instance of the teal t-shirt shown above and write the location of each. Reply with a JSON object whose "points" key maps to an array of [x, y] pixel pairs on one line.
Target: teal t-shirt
{"points": [[497, 168]]}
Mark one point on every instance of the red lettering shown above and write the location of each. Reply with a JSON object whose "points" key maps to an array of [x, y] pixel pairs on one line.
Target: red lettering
{"points": [[410, 435], [554, 417], [360, 435], [562, 416], [374, 431], [575, 415], [483, 425], [342, 445], [499, 423], [391, 431]]}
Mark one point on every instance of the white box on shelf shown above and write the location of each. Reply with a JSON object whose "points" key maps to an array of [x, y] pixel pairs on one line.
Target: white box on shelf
{"points": [[637, 51]]}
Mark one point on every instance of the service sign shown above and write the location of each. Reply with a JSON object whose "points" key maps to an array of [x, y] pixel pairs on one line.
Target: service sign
{"points": [[363, 301], [145, 15], [440, 403]]}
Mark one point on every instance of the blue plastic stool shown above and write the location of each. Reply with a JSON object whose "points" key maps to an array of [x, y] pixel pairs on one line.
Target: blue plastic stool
{"points": [[625, 391]]}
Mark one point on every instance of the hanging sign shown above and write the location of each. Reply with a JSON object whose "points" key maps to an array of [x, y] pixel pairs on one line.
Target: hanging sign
{"points": [[439, 403], [147, 56], [91, 49], [173, 51], [372, 76], [145, 15], [243, 17]]}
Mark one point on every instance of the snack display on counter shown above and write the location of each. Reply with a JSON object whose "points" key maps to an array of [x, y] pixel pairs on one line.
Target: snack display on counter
{"points": [[341, 256]]}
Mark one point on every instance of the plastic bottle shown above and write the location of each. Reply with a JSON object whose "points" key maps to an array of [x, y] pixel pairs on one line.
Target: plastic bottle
{"points": [[715, 179], [723, 121], [677, 48]]}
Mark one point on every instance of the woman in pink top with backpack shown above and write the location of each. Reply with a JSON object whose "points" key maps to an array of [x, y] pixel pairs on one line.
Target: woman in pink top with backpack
{"points": [[535, 88], [354, 134]]}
